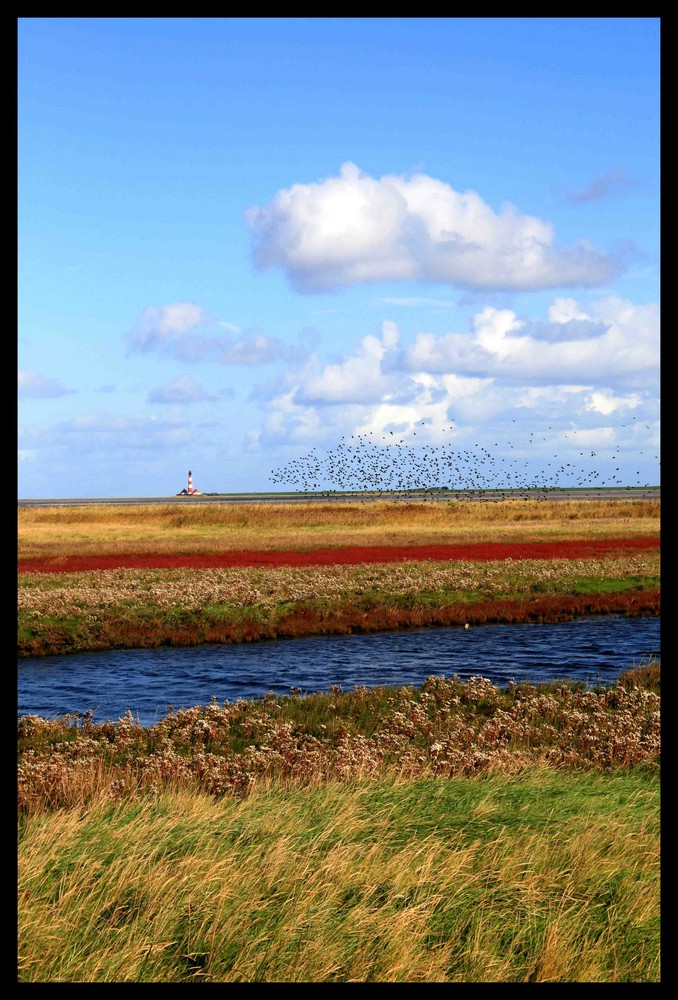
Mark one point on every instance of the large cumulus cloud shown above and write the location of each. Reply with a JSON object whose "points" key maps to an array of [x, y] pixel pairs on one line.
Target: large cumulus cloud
{"points": [[354, 229]]}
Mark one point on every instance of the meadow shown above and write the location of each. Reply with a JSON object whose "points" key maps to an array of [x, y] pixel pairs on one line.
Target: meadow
{"points": [[455, 832]]}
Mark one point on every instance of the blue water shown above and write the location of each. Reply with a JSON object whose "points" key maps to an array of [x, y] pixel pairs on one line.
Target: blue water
{"points": [[148, 682]]}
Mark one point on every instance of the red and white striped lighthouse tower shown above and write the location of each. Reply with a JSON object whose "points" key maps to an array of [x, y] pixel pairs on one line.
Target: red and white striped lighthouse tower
{"points": [[191, 490]]}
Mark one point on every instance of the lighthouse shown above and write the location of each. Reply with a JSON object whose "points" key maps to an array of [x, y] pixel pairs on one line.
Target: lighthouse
{"points": [[191, 491]]}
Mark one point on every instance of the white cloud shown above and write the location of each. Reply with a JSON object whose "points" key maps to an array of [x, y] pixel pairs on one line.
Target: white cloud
{"points": [[492, 328], [542, 392], [255, 349], [182, 389], [358, 378], [592, 437], [185, 332], [606, 402], [157, 327], [353, 229], [31, 383], [388, 416], [367, 393], [565, 310], [612, 182], [620, 346]]}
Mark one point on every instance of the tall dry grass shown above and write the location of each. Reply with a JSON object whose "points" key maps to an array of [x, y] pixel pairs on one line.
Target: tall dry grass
{"points": [[553, 878], [213, 528]]}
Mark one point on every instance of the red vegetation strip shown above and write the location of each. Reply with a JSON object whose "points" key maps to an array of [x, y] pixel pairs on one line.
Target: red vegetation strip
{"points": [[483, 552]]}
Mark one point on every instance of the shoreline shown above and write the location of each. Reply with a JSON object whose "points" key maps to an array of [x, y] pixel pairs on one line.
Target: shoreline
{"points": [[307, 620]]}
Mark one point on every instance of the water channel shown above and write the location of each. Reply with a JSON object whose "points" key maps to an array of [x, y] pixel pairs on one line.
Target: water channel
{"points": [[148, 682]]}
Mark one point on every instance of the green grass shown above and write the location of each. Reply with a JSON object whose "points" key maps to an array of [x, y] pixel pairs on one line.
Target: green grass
{"points": [[594, 585], [547, 877]]}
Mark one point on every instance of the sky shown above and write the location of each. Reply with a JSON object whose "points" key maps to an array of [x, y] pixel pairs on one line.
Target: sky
{"points": [[262, 249]]}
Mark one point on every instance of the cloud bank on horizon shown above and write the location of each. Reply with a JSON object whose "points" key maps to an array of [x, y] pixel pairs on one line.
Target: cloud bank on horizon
{"points": [[503, 366], [230, 307]]}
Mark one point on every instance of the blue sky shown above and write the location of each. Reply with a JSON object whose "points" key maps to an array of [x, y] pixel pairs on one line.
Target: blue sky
{"points": [[243, 240]]}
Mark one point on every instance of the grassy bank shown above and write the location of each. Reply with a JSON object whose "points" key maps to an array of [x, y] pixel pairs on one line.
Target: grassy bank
{"points": [[444, 728], [454, 834], [74, 612]]}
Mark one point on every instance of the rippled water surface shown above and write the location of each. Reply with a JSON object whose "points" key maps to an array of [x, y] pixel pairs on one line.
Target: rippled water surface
{"points": [[149, 682]]}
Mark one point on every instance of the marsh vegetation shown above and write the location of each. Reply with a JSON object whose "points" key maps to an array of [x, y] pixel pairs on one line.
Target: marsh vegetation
{"points": [[455, 832]]}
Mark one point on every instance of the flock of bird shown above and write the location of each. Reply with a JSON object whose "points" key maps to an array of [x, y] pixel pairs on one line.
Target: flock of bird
{"points": [[361, 463]]}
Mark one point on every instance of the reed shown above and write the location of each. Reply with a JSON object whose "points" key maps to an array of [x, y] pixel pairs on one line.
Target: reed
{"points": [[551, 877]]}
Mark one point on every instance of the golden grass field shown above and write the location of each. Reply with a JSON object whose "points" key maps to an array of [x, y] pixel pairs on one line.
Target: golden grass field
{"points": [[214, 528]]}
